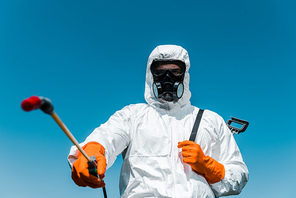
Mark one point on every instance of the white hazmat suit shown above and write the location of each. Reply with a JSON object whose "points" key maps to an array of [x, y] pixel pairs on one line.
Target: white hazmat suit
{"points": [[148, 134]]}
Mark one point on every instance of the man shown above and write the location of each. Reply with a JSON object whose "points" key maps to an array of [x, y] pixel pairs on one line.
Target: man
{"points": [[159, 160]]}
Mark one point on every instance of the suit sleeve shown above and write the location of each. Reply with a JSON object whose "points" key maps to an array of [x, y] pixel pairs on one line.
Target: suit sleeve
{"points": [[236, 171], [112, 135]]}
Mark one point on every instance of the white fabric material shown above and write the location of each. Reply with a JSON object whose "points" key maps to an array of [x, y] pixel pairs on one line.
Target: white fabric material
{"points": [[149, 134]]}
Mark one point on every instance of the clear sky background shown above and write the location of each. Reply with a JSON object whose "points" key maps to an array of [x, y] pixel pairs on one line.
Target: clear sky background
{"points": [[89, 58]]}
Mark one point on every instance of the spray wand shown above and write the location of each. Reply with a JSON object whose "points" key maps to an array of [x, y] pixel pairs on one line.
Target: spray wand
{"points": [[46, 106]]}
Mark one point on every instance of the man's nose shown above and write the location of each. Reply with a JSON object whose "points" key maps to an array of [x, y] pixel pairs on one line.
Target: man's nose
{"points": [[168, 78]]}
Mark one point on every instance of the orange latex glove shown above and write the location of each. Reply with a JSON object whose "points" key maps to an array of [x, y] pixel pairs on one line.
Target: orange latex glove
{"points": [[192, 154], [80, 172]]}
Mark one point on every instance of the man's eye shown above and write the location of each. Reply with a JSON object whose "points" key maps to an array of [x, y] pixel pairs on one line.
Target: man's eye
{"points": [[159, 71], [176, 71]]}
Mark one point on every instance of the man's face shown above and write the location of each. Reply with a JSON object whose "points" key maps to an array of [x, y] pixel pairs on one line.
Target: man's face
{"points": [[168, 80]]}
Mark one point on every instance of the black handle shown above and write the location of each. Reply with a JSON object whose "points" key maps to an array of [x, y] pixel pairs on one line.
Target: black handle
{"points": [[236, 130], [92, 168]]}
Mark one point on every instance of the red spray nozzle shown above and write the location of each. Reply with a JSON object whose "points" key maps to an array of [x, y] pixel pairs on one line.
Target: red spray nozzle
{"points": [[31, 103], [36, 102]]}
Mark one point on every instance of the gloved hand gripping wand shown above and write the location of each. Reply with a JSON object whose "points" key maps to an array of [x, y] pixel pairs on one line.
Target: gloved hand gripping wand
{"points": [[46, 106]]}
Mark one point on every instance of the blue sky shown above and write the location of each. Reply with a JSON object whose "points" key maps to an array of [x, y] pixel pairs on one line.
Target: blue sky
{"points": [[89, 58]]}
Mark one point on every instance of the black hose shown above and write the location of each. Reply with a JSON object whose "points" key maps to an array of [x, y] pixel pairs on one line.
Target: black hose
{"points": [[105, 193]]}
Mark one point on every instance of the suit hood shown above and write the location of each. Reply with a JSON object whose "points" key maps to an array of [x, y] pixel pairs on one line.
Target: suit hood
{"points": [[162, 53]]}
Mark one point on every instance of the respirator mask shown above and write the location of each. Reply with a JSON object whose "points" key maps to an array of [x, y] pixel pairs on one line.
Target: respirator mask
{"points": [[168, 76]]}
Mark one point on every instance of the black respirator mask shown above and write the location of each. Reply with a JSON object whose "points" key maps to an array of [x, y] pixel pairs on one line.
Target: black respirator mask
{"points": [[168, 80]]}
